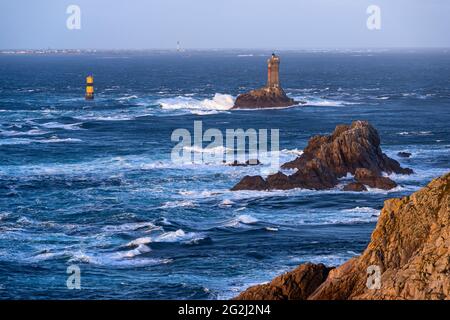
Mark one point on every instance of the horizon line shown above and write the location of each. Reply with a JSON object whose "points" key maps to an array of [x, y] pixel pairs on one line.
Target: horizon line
{"points": [[229, 49]]}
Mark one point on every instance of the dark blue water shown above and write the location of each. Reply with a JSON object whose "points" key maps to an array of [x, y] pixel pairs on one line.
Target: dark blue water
{"points": [[91, 183]]}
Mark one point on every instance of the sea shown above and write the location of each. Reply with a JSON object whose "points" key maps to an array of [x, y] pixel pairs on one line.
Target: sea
{"points": [[88, 189]]}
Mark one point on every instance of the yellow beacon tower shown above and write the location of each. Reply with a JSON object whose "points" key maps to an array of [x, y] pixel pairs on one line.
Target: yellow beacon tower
{"points": [[90, 88]]}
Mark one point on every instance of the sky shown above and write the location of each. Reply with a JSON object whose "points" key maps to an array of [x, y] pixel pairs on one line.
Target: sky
{"points": [[223, 24]]}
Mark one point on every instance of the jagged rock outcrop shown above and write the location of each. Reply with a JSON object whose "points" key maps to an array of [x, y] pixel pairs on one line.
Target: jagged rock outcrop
{"points": [[295, 285], [410, 247], [349, 149], [267, 97]]}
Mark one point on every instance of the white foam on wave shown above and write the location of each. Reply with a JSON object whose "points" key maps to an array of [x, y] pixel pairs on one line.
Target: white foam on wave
{"points": [[32, 132], [23, 141], [215, 150], [226, 203], [57, 125], [295, 151], [318, 102], [81, 257], [366, 210], [168, 237], [179, 204], [4, 215], [415, 133], [118, 117], [127, 97], [131, 227], [141, 249], [220, 102], [240, 221], [247, 219], [327, 259]]}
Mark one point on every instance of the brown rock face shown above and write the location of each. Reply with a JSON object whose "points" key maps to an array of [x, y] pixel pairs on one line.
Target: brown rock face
{"points": [[371, 179], [267, 97], [328, 158], [355, 186], [410, 247], [251, 183], [295, 285]]}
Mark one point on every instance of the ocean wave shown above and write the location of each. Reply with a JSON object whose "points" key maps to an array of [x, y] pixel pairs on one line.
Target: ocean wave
{"points": [[179, 236], [127, 97], [141, 249], [24, 141], [327, 259], [415, 133], [365, 210], [4, 215], [215, 150], [319, 102], [148, 226], [57, 125], [118, 117], [239, 221], [226, 203], [179, 204], [220, 102], [32, 132], [295, 152]]}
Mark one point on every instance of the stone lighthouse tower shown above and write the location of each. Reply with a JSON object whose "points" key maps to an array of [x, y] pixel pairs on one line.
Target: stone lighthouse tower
{"points": [[271, 95], [273, 80]]}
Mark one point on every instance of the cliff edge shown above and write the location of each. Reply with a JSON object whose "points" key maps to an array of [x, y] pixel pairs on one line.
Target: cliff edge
{"points": [[410, 248]]}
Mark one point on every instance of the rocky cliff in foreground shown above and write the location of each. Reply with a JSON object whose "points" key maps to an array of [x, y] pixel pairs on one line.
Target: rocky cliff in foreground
{"points": [[410, 247], [351, 149]]}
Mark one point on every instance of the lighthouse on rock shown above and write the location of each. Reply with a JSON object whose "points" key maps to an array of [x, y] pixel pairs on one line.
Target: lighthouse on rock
{"points": [[273, 72], [269, 96]]}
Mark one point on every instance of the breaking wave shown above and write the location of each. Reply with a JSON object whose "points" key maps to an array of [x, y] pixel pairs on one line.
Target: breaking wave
{"points": [[220, 102]]}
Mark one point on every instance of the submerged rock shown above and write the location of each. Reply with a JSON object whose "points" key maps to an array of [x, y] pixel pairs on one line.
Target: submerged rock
{"points": [[410, 248], [355, 186], [326, 159], [404, 154], [251, 162]]}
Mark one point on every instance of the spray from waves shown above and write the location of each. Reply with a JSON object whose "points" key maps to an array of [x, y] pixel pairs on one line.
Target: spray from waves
{"points": [[179, 236], [319, 102], [135, 226], [179, 204], [240, 221], [220, 102]]}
